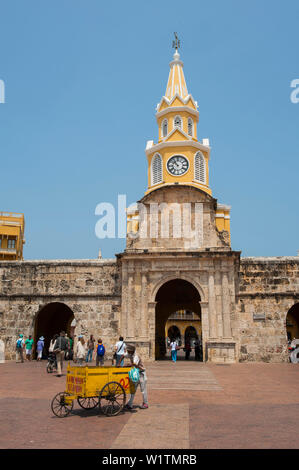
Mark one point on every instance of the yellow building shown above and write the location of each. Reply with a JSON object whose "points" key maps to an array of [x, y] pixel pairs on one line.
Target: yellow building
{"points": [[183, 325], [12, 227]]}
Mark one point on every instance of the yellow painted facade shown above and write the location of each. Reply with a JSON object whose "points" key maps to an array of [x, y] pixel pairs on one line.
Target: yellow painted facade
{"points": [[182, 321], [12, 227]]}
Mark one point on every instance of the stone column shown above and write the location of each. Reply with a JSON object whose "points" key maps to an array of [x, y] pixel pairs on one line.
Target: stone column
{"points": [[204, 325], [219, 315], [212, 306], [124, 303], [130, 307], [144, 313], [227, 333], [151, 308]]}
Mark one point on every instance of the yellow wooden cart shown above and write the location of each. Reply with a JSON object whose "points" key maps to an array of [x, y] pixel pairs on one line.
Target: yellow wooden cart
{"points": [[105, 387]]}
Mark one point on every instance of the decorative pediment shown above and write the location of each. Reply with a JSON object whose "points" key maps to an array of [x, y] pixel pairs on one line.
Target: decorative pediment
{"points": [[176, 100], [177, 134]]}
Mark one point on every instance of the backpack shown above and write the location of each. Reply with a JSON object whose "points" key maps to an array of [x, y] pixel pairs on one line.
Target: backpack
{"points": [[134, 375], [101, 350], [19, 343]]}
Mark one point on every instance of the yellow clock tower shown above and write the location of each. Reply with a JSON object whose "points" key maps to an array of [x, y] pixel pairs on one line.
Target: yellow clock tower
{"points": [[178, 157]]}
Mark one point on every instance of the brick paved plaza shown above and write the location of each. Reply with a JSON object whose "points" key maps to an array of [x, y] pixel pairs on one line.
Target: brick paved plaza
{"points": [[192, 406]]}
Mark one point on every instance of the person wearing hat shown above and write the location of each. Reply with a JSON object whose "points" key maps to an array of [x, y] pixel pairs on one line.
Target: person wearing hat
{"points": [[20, 343], [136, 361], [40, 347]]}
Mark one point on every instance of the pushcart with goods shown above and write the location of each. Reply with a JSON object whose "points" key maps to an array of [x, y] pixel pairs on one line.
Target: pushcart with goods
{"points": [[105, 387]]}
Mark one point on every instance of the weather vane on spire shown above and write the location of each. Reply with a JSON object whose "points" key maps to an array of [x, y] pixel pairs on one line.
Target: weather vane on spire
{"points": [[177, 43]]}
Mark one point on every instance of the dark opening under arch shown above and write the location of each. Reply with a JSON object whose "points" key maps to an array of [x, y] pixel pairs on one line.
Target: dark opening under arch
{"points": [[52, 319]]}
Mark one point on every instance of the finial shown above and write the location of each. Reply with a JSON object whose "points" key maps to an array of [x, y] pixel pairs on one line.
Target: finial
{"points": [[176, 43], [176, 56]]}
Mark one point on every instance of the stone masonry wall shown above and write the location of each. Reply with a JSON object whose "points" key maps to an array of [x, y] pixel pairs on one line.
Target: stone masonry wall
{"points": [[90, 288], [268, 288]]}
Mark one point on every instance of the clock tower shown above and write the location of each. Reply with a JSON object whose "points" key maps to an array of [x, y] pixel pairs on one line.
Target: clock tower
{"points": [[178, 166], [178, 157]]}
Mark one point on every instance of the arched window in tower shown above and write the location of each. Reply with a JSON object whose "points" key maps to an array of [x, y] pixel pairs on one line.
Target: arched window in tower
{"points": [[164, 128], [156, 169], [178, 122], [199, 168], [190, 127]]}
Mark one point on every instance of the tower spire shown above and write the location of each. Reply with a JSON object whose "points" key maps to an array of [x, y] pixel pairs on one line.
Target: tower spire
{"points": [[176, 81]]}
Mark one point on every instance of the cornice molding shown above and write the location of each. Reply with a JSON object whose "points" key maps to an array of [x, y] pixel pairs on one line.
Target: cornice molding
{"points": [[178, 143], [177, 109]]}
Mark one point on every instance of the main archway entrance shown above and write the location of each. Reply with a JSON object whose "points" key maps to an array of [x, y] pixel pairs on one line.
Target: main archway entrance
{"points": [[174, 296], [52, 319]]}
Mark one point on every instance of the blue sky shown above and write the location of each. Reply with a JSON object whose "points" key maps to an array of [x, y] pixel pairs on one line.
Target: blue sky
{"points": [[82, 80]]}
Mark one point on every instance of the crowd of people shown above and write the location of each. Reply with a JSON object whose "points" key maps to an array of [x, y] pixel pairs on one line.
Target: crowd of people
{"points": [[83, 352]]}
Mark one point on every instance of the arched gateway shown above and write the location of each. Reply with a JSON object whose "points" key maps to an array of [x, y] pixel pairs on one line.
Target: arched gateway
{"points": [[51, 319], [173, 295]]}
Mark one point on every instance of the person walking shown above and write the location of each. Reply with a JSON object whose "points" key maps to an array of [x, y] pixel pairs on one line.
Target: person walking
{"points": [[40, 347], [20, 343], [198, 350], [100, 353], [90, 348], [28, 347], [81, 350], [187, 350], [71, 347], [174, 348], [120, 351], [60, 347], [52, 355], [136, 361]]}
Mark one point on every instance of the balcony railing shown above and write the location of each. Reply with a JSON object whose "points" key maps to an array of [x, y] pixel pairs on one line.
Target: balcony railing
{"points": [[12, 214], [10, 251]]}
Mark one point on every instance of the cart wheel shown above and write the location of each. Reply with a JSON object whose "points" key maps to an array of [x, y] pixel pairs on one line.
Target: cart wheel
{"points": [[49, 368], [59, 407], [88, 403], [112, 399]]}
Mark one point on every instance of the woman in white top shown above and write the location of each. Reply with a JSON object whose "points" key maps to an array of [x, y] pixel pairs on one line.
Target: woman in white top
{"points": [[81, 350], [174, 348], [120, 351]]}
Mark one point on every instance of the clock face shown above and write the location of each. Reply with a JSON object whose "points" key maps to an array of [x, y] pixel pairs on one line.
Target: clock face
{"points": [[177, 165]]}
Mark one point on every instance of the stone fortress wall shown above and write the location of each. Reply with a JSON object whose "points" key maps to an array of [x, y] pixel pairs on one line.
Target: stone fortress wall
{"points": [[267, 288], [90, 288]]}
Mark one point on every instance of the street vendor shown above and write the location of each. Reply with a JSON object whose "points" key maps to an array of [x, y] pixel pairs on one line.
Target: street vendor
{"points": [[136, 361]]}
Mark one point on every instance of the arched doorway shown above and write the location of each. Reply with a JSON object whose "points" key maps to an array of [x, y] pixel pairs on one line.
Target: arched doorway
{"points": [[292, 322], [173, 296], [174, 334], [191, 335], [52, 319]]}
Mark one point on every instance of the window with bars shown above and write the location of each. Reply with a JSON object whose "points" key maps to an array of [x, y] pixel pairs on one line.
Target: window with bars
{"points": [[164, 128], [11, 243], [200, 168], [178, 122], [157, 169], [190, 127]]}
